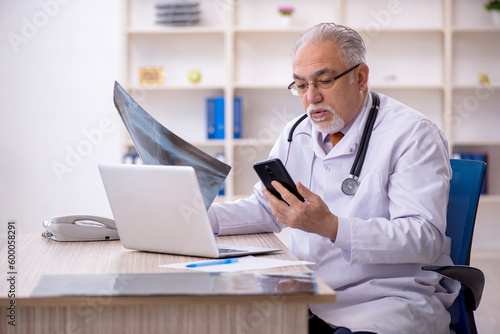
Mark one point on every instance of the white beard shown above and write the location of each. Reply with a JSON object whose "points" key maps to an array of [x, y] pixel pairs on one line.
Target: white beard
{"points": [[333, 126]]}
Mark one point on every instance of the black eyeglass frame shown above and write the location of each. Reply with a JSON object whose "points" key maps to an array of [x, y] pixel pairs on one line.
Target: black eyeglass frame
{"points": [[295, 91]]}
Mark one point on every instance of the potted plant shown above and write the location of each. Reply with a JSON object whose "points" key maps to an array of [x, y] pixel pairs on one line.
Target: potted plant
{"points": [[493, 7], [286, 14]]}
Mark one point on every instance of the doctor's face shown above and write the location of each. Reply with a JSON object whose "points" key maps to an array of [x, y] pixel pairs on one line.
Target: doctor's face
{"points": [[332, 108]]}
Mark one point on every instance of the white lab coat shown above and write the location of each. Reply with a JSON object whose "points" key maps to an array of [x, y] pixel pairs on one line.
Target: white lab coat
{"points": [[393, 225]]}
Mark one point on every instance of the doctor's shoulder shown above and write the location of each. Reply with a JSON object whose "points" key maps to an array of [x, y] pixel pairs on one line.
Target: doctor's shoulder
{"points": [[400, 117], [409, 129]]}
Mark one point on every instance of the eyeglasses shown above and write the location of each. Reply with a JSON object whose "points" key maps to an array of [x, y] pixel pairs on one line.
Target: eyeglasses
{"points": [[321, 84]]}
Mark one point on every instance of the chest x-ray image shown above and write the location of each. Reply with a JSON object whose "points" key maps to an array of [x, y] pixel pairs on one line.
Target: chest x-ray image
{"points": [[157, 145]]}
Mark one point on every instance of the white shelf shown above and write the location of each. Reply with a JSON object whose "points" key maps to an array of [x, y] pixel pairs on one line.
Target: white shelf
{"points": [[490, 199], [475, 53], [272, 30], [421, 30], [172, 87], [426, 53], [477, 142], [470, 15], [253, 142], [396, 86], [475, 86], [376, 15], [264, 13], [475, 30], [414, 59], [273, 86], [209, 143], [174, 30]]}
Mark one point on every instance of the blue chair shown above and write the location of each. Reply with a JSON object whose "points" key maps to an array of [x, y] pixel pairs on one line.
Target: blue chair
{"points": [[465, 187]]}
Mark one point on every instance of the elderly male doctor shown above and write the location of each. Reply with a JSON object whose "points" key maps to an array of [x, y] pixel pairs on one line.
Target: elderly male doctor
{"points": [[368, 246]]}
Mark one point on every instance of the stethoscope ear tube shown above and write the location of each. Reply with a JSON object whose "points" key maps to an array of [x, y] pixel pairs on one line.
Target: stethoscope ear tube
{"points": [[350, 185], [292, 130]]}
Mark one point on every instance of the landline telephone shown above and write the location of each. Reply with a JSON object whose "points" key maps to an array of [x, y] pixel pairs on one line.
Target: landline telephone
{"points": [[80, 228]]}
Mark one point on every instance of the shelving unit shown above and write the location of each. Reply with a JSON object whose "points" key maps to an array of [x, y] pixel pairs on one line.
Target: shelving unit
{"points": [[475, 108], [427, 54]]}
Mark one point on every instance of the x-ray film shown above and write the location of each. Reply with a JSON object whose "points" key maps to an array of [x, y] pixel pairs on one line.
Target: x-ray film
{"points": [[157, 145]]}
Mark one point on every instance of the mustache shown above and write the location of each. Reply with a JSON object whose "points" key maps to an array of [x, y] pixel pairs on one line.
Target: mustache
{"points": [[319, 106]]}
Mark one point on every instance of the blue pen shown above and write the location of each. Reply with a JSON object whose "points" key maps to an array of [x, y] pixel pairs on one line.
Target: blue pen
{"points": [[212, 263]]}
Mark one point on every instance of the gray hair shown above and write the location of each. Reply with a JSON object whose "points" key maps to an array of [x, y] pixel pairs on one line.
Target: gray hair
{"points": [[349, 43]]}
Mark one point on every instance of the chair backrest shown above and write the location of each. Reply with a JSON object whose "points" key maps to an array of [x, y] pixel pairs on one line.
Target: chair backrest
{"points": [[465, 188]]}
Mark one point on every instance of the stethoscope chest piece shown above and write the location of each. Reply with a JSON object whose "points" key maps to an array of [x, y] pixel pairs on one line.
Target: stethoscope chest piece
{"points": [[350, 186]]}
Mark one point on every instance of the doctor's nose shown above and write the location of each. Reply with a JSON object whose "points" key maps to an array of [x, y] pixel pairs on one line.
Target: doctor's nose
{"points": [[313, 94]]}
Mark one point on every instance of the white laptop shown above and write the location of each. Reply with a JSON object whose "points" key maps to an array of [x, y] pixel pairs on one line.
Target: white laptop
{"points": [[160, 208]]}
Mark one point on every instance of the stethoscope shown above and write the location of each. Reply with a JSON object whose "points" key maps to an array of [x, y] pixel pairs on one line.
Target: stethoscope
{"points": [[350, 184]]}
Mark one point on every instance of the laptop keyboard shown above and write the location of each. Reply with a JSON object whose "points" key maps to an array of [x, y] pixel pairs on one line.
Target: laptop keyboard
{"points": [[228, 250]]}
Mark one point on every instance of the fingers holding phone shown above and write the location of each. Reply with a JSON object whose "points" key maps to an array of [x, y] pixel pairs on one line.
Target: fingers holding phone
{"points": [[287, 203], [312, 216]]}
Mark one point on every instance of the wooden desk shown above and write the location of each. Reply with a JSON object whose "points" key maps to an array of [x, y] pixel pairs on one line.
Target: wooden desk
{"points": [[230, 314]]}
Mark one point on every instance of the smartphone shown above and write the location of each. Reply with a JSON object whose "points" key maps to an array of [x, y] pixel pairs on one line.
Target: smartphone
{"points": [[273, 169]]}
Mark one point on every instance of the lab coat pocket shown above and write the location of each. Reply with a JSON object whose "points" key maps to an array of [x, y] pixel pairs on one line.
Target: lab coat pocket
{"points": [[370, 199]]}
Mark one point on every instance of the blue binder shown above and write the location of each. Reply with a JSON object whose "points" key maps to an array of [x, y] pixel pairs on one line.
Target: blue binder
{"points": [[215, 117]]}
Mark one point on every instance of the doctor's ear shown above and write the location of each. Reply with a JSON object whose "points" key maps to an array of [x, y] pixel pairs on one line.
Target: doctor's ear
{"points": [[362, 76]]}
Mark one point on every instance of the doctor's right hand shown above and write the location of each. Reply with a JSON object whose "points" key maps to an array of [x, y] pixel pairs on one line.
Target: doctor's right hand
{"points": [[312, 215]]}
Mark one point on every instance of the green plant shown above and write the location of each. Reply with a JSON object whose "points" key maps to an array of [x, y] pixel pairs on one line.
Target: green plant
{"points": [[493, 5], [286, 10]]}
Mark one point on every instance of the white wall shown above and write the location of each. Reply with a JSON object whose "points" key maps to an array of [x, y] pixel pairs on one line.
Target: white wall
{"points": [[58, 63]]}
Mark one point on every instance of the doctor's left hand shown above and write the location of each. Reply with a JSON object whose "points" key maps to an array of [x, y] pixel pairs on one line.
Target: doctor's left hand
{"points": [[311, 216]]}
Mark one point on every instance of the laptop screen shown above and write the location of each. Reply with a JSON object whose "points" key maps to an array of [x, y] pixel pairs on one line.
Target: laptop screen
{"points": [[158, 146]]}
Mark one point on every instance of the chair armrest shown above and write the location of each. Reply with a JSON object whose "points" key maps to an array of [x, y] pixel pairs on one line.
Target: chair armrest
{"points": [[472, 279]]}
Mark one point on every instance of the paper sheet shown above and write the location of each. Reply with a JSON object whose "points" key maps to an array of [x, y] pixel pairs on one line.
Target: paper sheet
{"points": [[243, 264]]}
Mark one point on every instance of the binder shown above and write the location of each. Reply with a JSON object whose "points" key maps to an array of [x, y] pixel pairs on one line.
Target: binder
{"points": [[215, 117]]}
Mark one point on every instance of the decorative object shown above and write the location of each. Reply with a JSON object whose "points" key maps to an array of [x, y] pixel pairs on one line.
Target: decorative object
{"points": [[391, 78], [194, 76], [286, 14], [483, 79], [493, 7], [151, 75]]}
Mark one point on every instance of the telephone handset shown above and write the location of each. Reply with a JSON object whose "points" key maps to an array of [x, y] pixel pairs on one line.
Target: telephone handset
{"points": [[80, 228]]}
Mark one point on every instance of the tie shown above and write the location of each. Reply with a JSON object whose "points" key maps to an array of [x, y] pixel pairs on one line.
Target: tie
{"points": [[336, 137]]}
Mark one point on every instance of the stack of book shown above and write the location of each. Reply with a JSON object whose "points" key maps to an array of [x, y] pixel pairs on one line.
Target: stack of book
{"points": [[177, 13], [215, 117]]}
